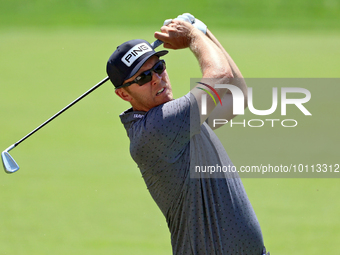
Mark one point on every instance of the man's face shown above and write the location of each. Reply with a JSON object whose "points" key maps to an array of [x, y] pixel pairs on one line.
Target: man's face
{"points": [[157, 91]]}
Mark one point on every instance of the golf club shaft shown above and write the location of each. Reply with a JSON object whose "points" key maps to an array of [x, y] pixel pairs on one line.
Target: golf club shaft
{"points": [[62, 110], [154, 45]]}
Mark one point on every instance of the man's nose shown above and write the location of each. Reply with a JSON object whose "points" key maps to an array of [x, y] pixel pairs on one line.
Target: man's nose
{"points": [[156, 78]]}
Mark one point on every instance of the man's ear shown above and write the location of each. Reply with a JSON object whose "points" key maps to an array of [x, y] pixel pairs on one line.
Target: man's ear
{"points": [[123, 94]]}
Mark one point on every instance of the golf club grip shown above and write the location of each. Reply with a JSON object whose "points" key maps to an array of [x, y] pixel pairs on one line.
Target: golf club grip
{"points": [[154, 45]]}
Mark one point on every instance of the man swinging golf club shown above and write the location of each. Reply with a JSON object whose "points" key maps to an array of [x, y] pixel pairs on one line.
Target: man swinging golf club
{"points": [[168, 137]]}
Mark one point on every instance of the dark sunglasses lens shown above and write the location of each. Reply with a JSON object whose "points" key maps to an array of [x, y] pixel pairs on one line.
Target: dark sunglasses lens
{"points": [[159, 67], [144, 77]]}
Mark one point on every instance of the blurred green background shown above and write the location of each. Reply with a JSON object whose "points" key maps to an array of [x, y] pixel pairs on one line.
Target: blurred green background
{"points": [[78, 191]]}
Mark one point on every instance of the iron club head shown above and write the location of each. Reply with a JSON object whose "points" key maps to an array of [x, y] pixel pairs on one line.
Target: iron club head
{"points": [[9, 163]]}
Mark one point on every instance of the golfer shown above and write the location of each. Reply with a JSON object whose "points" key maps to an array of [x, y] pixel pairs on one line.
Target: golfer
{"points": [[169, 137]]}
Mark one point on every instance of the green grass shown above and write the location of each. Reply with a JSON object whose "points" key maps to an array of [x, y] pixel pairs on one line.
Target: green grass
{"points": [[79, 192], [246, 14]]}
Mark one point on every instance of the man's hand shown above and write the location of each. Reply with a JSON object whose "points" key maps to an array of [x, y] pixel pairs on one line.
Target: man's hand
{"points": [[194, 21], [190, 19], [177, 35]]}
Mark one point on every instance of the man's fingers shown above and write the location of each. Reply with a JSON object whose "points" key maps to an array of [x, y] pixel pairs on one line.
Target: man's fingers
{"points": [[164, 37], [164, 29], [168, 46], [175, 35]]}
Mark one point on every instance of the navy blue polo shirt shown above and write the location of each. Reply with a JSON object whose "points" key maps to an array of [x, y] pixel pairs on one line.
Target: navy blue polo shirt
{"points": [[206, 214]]}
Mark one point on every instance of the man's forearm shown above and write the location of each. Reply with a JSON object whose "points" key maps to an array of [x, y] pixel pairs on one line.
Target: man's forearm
{"points": [[238, 78], [234, 68], [212, 60]]}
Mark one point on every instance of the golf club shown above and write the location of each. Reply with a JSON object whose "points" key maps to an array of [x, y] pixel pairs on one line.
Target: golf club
{"points": [[9, 163]]}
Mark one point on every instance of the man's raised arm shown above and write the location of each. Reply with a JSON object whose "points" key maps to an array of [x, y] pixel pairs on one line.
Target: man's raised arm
{"points": [[212, 60], [225, 111]]}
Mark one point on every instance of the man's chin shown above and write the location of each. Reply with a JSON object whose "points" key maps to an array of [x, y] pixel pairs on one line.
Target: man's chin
{"points": [[165, 100], [168, 98]]}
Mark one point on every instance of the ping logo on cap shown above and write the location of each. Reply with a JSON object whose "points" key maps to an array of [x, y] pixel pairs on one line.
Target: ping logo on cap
{"points": [[133, 54]]}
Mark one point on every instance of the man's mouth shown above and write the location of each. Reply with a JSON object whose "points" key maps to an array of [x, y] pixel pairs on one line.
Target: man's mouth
{"points": [[160, 91]]}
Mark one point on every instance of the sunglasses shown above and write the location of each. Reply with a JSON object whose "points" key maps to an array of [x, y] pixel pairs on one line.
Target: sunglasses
{"points": [[146, 76]]}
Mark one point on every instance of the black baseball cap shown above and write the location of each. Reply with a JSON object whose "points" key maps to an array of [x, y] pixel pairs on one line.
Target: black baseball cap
{"points": [[128, 58]]}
